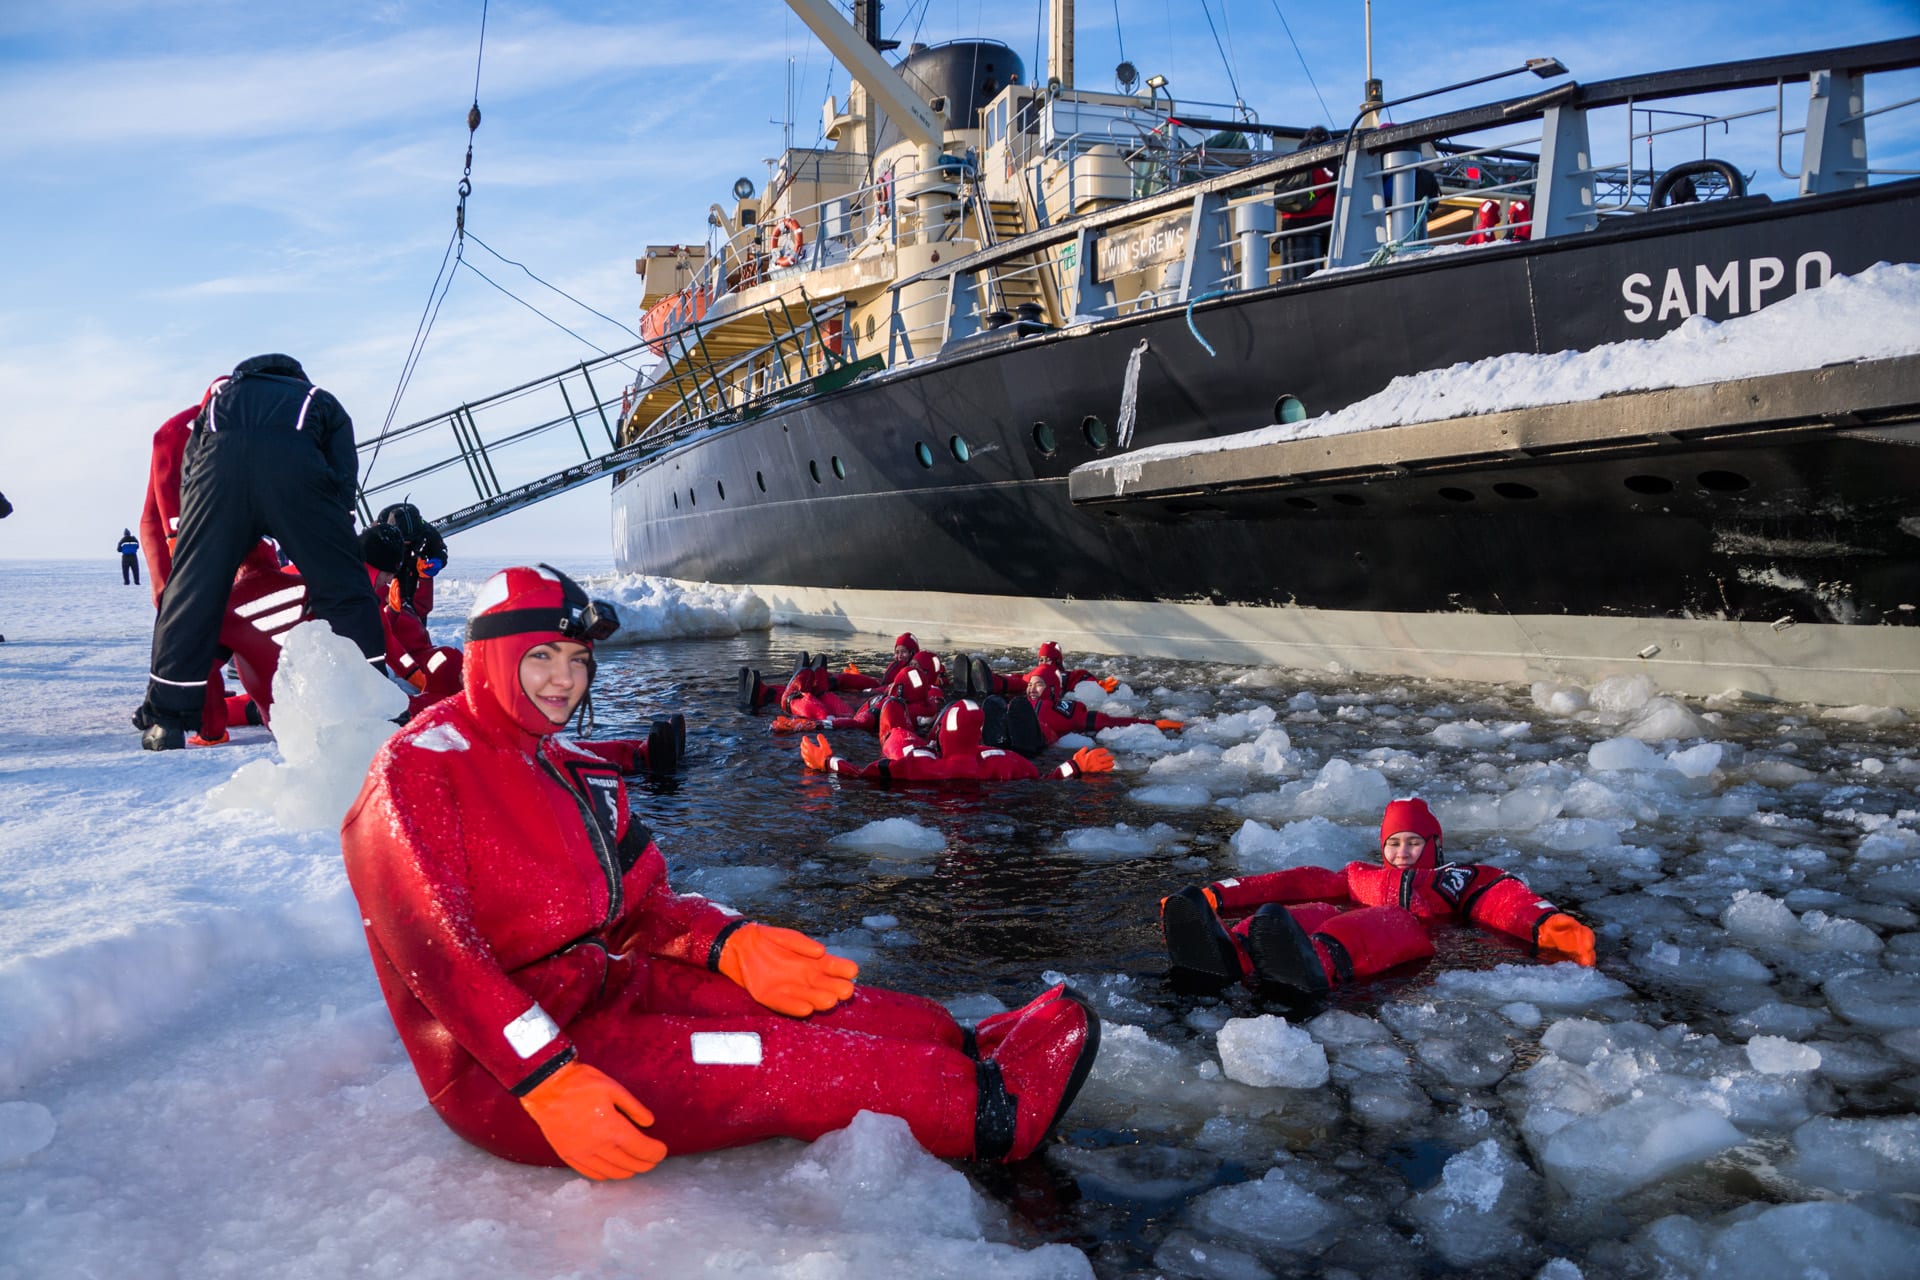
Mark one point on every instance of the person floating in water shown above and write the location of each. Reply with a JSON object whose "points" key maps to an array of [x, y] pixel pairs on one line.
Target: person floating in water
{"points": [[620, 1021], [1033, 721], [129, 559], [982, 679], [1312, 929], [957, 757], [754, 693]]}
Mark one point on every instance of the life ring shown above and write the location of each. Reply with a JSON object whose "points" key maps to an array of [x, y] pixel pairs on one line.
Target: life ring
{"points": [[883, 196], [1675, 186], [788, 240]]}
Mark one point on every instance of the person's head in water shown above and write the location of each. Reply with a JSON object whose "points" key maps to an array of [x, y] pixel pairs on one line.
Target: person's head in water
{"points": [[1042, 686], [1409, 835], [905, 646]]}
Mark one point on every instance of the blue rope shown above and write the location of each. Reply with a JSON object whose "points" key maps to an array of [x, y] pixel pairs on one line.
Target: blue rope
{"points": [[1191, 303]]}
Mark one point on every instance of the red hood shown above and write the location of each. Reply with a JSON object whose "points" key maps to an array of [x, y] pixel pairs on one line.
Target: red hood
{"points": [[1050, 654], [492, 666], [1413, 815], [960, 726]]}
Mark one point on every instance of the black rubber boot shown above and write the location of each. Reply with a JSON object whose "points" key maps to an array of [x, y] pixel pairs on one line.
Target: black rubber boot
{"points": [[1282, 953], [679, 723], [747, 691], [164, 735], [663, 747], [993, 730], [253, 713], [1023, 728], [981, 675], [1199, 948], [819, 662]]}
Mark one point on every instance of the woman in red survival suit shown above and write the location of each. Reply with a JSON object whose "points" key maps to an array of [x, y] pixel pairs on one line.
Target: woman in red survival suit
{"points": [[561, 1004], [1315, 929]]}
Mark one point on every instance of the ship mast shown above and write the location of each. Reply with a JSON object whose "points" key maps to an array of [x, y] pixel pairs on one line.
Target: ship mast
{"points": [[1060, 44]]}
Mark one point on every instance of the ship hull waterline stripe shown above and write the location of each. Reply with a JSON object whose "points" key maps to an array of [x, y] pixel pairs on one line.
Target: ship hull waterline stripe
{"points": [[1809, 662]]}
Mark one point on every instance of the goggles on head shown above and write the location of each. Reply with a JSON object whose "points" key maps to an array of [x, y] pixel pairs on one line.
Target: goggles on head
{"points": [[578, 619]]}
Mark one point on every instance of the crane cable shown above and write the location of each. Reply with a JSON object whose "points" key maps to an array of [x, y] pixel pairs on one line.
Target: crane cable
{"points": [[449, 260]]}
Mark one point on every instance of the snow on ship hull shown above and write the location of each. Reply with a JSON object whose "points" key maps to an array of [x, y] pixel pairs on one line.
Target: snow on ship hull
{"points": [[1795, 572]]}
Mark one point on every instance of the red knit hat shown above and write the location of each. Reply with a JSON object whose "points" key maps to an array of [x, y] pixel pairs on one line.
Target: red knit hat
{"points": [[906, 638], [516, 610], [1412, 815]]}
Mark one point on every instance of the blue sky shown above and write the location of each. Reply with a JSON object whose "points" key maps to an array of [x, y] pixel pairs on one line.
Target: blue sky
{"points": [[184, 184]]}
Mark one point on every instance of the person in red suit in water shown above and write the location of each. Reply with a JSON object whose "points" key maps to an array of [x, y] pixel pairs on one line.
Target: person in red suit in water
{"points": [[983, 679], [562, 1005], [1313, 929], [960, 757], [1057, 715], [755, 693]]}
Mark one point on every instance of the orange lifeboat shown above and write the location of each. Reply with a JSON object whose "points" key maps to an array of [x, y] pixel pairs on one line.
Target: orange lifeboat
{"points": [[672, 312]]}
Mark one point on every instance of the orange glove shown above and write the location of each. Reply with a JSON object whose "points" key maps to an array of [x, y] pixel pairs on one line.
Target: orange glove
{"points": [[593, 1123], [851, 669], [1561, 933], [815, 751], [793, 724], [1169, 726], [786, 970], [1110, 683], [1093, 760]]}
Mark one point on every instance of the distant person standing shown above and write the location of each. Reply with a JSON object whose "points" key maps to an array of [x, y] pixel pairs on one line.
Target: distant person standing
{"points": [[270, 454], [6, 509], [129, 559]]}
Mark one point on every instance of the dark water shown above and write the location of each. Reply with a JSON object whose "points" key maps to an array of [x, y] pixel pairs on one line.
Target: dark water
{"points": [[1000, 906]]}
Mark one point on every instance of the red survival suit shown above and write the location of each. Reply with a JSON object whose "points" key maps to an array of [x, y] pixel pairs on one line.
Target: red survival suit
{"points": [[1059, 715], [1051, 661], [434, 671], [520, 920], [1365, 919], [809, 705], [960, 756]]}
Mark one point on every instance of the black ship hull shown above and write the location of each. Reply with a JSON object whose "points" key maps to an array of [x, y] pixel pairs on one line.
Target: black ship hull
{"points": [[858, 509]]}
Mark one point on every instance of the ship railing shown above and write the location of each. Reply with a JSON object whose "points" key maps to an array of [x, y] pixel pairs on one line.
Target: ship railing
{"points": [[1536, 148]]}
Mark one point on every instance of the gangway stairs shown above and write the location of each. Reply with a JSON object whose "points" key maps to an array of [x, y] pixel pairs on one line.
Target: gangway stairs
{"points": [[491, 457]]}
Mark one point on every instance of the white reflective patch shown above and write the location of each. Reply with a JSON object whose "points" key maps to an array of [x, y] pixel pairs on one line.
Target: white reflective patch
{"points": [[1228, 884], [441, 737], [1544, 906], [531, 1032], [492, 592], [992, 751], [273, 599], [280, 621], [438, 659], [725, 1048]]}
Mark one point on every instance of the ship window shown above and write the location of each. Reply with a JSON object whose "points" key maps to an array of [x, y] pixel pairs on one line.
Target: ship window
{"points": [[721, 486], [1289, 409], [1724, 481], [813, 469], [1649, 484], [962, 451], [869, 328], [1457, 495], [839, 467], [1095, 430], [1043, 439], [1349, 500], [922, 452], [1303, 504], [761, 481], [1518, 492]]}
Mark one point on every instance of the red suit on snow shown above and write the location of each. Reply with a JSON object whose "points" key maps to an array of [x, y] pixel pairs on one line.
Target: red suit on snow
{"points": [[1315, 929], [520, 919], [434, 671]]}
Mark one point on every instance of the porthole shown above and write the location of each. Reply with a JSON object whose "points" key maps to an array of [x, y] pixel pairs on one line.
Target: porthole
{"points": [[923, 452], [961, 449], [1349, 500], [761, 481], [1043, 439], [1724, 481], [720, 486], [1289, 409], [1095, 431], [813, 469], [1457, 495], [1303, 504], [869, 328], [839, 467], [1649, 484], [1516, 491]]}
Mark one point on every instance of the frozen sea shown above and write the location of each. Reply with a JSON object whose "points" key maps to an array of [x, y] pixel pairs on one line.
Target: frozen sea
{"points": [[198, 1076]]}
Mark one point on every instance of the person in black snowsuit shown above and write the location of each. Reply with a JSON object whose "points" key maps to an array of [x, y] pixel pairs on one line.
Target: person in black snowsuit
{"points": [[270, 455], [129, 559]]}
